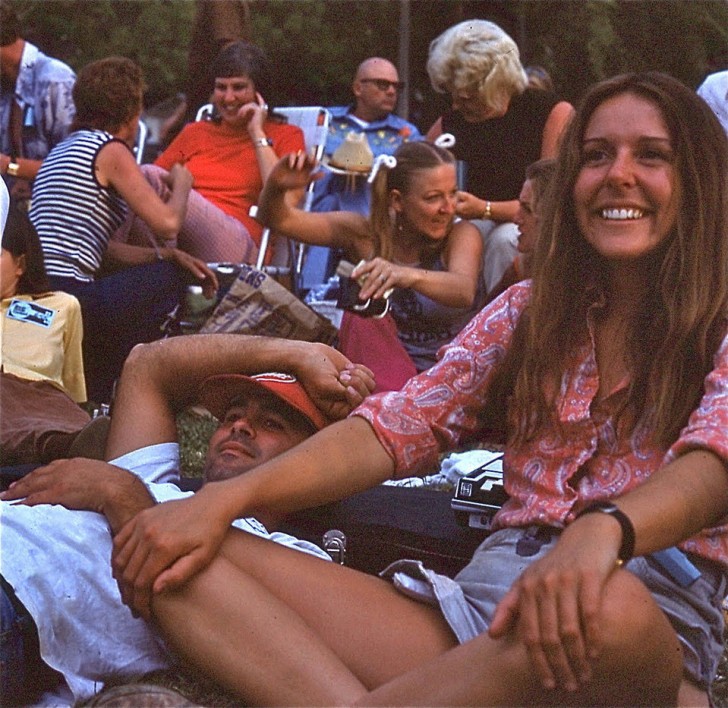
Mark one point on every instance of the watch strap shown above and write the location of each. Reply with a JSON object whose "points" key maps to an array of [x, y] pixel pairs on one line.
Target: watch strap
{"points": [[626, 549]]}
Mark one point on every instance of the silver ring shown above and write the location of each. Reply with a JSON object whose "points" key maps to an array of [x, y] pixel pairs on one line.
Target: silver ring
{"points": [[382, 277], [265, 107]]}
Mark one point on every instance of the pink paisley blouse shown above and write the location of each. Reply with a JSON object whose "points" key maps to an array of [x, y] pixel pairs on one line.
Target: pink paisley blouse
{"points": [[563, 468]]}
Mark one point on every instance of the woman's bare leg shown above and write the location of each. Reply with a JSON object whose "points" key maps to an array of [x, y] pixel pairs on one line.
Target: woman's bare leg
{"points": [[283, 627], [278, 626], [641, 664]]}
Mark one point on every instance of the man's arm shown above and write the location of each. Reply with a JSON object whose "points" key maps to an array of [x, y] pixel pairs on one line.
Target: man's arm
{"points": [[162, 378], [90, 485]]}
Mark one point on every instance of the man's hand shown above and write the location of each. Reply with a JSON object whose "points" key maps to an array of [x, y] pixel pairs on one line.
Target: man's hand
{"points": [[164, 546], [554, 607], [89, 485], [335, 385]]}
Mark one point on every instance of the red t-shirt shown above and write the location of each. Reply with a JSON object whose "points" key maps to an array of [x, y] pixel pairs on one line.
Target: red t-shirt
{"points": [[222, 161]]}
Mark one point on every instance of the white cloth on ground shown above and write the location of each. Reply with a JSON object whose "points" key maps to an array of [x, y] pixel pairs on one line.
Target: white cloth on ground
{"points": [[453, 467]]}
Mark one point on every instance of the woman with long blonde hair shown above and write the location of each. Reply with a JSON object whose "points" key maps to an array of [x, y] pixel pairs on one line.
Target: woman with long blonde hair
{"points": [[410, 245]]}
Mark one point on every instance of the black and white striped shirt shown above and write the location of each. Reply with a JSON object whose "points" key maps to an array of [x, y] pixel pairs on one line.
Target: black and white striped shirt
{"points": [[73, 214]]}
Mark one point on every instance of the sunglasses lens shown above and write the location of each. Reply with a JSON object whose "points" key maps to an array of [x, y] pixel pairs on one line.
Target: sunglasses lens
{"points": [[384, 85]]}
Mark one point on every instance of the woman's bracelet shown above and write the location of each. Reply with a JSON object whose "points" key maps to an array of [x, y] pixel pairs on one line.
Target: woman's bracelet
{"points": [[488, 213], [12, 167], [263, 142]]}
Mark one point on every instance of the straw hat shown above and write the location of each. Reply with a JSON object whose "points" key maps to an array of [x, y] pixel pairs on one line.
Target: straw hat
{"points": [[353, 155]]}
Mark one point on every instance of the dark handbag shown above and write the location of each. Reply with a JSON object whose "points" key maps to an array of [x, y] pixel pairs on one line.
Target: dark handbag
{"points": [[348, 298]]}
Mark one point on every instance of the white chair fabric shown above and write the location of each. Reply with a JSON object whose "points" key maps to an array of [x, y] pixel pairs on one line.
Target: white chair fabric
{"points": [[140, 142], [314, 122]]}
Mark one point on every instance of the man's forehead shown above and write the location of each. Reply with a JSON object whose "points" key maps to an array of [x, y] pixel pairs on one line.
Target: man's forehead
{"points": [[268, 403], [263, 399], [378, 69]]}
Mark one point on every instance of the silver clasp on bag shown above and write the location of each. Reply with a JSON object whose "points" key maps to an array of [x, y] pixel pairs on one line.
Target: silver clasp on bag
{"points": [[334, 543]]}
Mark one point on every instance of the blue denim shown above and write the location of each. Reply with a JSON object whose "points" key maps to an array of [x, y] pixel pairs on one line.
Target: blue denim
{"points": [[120, 310], [23, 674]]}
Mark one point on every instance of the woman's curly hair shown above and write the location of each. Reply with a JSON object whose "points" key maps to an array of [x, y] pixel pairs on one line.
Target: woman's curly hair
{"points": [[477, 55], [107, 94]]}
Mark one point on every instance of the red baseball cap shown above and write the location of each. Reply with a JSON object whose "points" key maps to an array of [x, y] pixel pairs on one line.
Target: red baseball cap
{"points": [[218, 392]]}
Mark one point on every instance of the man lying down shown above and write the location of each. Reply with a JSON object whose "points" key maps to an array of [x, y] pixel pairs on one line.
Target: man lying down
{"points": [[60, 608]]}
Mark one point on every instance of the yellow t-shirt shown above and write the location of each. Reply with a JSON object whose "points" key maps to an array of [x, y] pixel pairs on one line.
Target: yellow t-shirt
{"points": [[40, 340]]}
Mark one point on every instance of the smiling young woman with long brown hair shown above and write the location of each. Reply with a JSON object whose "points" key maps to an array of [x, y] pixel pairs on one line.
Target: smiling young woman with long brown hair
{"points": [[603, 578]]}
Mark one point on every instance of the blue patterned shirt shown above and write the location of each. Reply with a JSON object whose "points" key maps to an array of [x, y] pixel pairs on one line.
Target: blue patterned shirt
{"points": [[341, 193], [43, 90]]}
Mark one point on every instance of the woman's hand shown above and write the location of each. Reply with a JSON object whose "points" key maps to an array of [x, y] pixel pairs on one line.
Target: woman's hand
{"points": [[199, 269], [165, 545], [254, 114], [179, 177], [381, 276], [293, 171], [469, 206], [554, 608]]}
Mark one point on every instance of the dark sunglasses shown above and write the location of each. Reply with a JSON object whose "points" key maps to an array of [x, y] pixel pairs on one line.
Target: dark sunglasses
{"points": [[383, 84]]}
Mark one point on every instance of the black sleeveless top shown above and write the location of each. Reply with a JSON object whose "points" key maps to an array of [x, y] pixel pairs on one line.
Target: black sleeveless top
{"points": [[498, 150]]}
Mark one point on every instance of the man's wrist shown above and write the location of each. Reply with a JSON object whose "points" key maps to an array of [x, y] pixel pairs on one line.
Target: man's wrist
{"points": [[126, 495]]}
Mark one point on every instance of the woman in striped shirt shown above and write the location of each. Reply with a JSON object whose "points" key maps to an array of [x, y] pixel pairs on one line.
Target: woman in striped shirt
{"points": [[80, 198]]}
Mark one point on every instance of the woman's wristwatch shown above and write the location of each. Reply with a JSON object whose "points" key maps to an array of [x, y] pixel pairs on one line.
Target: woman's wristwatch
{"points": [[263, 142], [626, 549]]}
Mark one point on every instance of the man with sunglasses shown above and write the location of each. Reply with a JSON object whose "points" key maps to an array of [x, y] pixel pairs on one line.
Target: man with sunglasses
{"points": [[376, 88]]}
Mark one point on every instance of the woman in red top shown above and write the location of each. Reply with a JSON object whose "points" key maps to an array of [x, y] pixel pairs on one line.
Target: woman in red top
{"points": [[229, 157]]}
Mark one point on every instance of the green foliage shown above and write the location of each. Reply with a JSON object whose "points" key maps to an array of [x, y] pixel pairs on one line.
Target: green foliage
{"points": [[154, 33], [583, 42], [317, 44], [194, 429]]}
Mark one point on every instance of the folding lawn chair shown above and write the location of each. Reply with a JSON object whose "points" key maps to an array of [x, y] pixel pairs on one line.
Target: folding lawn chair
{"points": [[140, 142], [314, 122]]}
